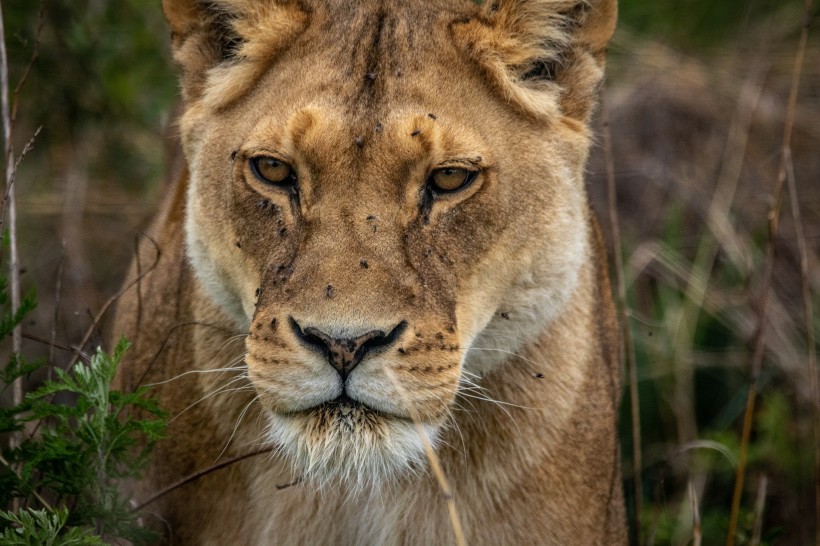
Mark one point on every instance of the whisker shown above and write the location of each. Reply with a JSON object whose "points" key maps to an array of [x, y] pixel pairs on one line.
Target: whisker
{"points": [[236, 427], [189, 372], [498, 402], [222, 390], [511, 353], [452, 419]]}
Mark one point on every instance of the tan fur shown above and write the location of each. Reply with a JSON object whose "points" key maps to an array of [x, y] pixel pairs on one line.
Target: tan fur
{"points": [[505, 345]]}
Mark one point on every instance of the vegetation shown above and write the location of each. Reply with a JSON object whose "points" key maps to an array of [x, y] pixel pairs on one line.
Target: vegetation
{"points": [[72, 451], [718, 208], [68, 443]]}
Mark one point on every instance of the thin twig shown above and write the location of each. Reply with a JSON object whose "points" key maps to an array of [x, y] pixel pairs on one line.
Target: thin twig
{"points": [[52, 343], [35, 52], [628, 349], [773, 219], [11, 178], [197, 475], [138, 262], [29, 146], [110, 301]]}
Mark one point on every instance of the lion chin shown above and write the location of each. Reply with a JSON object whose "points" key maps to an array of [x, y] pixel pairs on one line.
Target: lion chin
{"points": [[348, 446]]}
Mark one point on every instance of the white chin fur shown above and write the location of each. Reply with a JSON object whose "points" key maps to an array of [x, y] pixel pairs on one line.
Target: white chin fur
{"points": [[350, 449]]}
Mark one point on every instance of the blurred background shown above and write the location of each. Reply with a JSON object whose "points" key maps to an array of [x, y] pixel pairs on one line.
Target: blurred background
{"points": [[696, 101]]}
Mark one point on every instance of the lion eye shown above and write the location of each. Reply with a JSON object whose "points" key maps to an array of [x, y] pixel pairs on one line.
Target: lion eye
{"points": [[450, 179], [272, 171]]}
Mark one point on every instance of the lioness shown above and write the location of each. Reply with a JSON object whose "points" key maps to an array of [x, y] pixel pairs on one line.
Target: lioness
{"points": [[381, 239]]}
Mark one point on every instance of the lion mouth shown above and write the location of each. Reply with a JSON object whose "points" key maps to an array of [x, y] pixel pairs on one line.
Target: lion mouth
{"points": [[344, 441], [343, 401], [346, 415], [346, 410]]}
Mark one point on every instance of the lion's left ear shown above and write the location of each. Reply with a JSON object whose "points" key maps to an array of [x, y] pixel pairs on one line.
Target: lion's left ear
{"points": [[546, 55]]}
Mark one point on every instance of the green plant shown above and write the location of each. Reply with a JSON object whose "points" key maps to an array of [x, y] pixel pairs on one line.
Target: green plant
{"points": [[78, 439], [43, 528], [82, 448]]}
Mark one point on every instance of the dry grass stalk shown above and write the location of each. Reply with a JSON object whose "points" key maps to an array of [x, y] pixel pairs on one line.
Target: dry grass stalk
{"points": [[722, 233], [808, 314], [683, 316], [760, 504], [628, 348], [697, 533], [773, 219], [435, 463]]}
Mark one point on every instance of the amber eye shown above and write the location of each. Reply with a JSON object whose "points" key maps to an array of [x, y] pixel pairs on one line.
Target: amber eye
{"points": [[272, 171], [450, 179]]}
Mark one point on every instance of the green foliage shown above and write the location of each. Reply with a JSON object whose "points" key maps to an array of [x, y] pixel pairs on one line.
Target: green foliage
{"points": [[44, 528], [693, 23], [103, 79], [82, 438], [84, 448], [9, 320]]}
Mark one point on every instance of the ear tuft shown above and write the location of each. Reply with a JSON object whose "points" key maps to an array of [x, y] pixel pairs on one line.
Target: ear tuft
{"points": [[545, 55], [224, 46]]}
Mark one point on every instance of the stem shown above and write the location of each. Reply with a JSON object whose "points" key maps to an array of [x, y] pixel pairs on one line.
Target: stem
{"points": [[199, 474], [760, 504], [697, 532], [14, 267]]}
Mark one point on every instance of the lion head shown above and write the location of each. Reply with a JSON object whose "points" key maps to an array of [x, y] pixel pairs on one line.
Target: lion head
{"points": [[388, 197]]}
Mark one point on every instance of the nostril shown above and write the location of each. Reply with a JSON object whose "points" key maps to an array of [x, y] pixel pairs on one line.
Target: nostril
{"points": [[312, 337], [385, 340], [345, 354]]}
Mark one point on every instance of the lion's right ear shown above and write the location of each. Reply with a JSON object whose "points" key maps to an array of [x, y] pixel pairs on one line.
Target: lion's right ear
{"points": [[201, 38], [223, 46]]}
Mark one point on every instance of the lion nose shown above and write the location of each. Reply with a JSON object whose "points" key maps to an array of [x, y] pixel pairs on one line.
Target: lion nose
{"points": [[344, 354]]}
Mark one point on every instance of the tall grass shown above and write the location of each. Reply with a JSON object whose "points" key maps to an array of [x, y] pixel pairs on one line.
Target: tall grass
{"points": [[719, 292]]}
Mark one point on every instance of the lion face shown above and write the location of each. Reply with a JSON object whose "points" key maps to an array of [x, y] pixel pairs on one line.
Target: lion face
{"points": [[381, 210]]}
